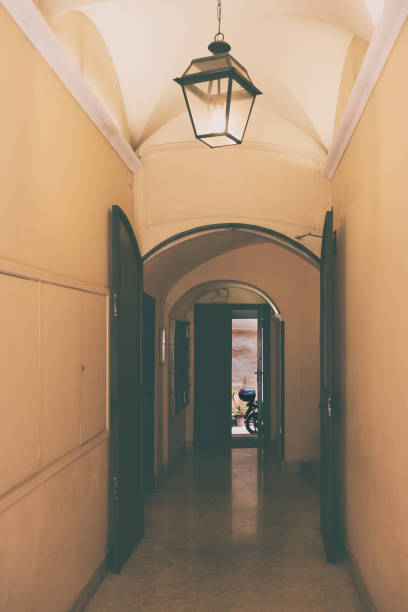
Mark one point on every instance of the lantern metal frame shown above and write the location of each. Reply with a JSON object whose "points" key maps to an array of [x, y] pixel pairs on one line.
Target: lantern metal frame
{"points": [[224, 67], [229, 72]]}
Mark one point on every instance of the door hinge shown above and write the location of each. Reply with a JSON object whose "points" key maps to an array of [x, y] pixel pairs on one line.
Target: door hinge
{"points": [[330, 406], [115, 298], [115, 488]]}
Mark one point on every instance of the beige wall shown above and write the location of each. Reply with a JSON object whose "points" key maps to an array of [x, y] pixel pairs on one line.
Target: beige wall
{"points": [[370, 204], [58, 180], [294, 286], [85, 44], [186, 185]]}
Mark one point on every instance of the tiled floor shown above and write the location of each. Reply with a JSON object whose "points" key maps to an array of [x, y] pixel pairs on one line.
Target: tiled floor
{"points": [[226, 534]]}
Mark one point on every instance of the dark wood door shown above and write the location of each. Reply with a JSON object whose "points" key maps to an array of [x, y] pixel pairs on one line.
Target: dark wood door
{"points": [[263, 373], [328, 519], [149, 344], [278, 384], [212, 378], [260, 377], [127, 397]]}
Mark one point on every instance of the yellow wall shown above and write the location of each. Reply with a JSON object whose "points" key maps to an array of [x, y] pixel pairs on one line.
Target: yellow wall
{"points": [[82, 39], [352, 64], [370, 203], [58, 180]]}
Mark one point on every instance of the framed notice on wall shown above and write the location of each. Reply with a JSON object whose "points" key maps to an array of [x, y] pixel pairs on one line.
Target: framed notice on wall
{"points": [[179, 366]]}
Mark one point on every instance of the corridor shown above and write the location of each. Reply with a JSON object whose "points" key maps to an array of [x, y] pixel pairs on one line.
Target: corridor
{"points": [[223, 534]]}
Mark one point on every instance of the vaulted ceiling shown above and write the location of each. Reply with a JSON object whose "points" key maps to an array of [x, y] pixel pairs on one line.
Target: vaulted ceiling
{"points": [[294, 51]]}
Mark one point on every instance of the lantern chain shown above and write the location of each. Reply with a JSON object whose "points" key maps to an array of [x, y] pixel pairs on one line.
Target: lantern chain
{"points": [[219, 35]]}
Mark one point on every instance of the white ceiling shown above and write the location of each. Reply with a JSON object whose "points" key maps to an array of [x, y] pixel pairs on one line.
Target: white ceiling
{"points": [[294, 51]]}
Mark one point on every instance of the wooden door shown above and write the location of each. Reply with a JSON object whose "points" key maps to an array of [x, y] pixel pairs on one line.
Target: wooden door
{"points": [[260, 376], [278, 385], [263, 373], [328, 519], [127, 397], [149, 344], [212, 377]]}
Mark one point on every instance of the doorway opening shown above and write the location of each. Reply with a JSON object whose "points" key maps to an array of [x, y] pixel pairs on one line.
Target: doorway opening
{"points": [[246, 329]]}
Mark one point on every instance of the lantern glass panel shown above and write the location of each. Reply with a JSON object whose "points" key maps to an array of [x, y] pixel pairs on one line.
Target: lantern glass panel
{"points": [[208, 104], [239, 68], [241, 104], [216, 62]]}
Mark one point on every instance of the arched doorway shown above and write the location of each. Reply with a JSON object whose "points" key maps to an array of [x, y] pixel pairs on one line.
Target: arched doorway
{"points": [[255, 259]]}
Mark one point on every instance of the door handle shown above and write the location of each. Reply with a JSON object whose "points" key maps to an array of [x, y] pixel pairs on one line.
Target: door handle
{"points": [[330, 406]]}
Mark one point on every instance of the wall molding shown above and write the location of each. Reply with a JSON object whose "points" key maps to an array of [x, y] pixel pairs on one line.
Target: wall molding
{"points": [[23, 489], [266, 147], [384, 37], [13, 268], [35, 27]]}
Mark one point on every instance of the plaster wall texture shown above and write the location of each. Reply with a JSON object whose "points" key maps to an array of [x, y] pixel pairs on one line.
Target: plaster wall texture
{"points": [[294, 286], [369, 196], [182, 186], [58, 180], [86, 46]]}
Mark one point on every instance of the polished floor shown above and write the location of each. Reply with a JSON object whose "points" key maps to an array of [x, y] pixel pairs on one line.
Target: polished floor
{"points": [[228, 533]]}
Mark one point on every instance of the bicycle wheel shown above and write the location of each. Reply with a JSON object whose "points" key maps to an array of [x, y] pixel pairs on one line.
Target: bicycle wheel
{"points": [[251, 423]]}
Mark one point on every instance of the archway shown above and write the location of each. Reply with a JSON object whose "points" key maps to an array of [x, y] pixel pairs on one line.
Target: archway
{"points": [[255, 260]]}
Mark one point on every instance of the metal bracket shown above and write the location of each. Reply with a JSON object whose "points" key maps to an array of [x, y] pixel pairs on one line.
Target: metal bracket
{"points": [[115, 298]]}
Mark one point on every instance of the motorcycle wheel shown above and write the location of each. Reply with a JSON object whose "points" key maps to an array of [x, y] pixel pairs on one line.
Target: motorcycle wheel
{"points": [[251, 423]]}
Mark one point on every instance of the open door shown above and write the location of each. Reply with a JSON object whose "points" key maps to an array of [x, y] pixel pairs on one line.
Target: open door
{"points": [[262, 426], [149, 346], [212, 376], [127, 398], [328, 519], [278, 385]]}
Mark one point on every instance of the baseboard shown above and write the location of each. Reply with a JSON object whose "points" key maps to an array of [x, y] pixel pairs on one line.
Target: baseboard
{"points": [[90, 588], [361, 588]]}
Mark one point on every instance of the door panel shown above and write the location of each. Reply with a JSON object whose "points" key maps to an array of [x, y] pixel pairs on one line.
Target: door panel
{"points": [[149, 304], [212, 364], [127, 397], [278, 392], [60, 348], [328, 519], [93, 366], [264, 377]]}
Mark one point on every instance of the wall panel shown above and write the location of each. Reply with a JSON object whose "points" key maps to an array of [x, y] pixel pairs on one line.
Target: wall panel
{"points": [[60, 365], [93, 360], [19, 380]]}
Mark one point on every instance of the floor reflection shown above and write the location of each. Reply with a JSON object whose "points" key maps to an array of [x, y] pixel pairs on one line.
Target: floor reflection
{"points": [[228, 531]]}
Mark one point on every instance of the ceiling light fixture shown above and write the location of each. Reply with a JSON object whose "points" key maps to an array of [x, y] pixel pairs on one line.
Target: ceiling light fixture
{"points": [[219, 94]]}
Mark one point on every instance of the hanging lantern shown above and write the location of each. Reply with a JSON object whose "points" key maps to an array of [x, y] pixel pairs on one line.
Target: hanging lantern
{"points": [[219, 94]]}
